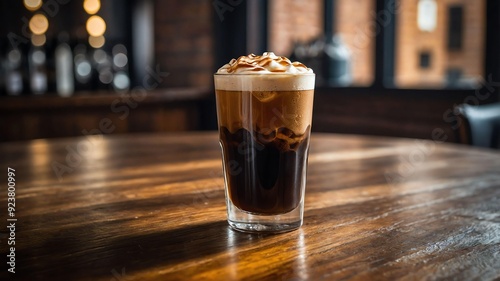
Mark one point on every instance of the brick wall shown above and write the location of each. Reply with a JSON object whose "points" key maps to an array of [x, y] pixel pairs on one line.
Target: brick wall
{"points": [[302, 20], [184, 42], [410, 41], [293, 21], [184, 39], [354, 19]]}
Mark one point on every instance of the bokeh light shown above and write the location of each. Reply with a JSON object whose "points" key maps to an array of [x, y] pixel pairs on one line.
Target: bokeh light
{"points": [[39, 24], [100, 56], [32, 5], [120, 60], [119, 48], [14, 56], [97, 41], [83, 69], [38, 57], [91, 6], [121, 81], [38, 39], [96, 26], [106, 76]]}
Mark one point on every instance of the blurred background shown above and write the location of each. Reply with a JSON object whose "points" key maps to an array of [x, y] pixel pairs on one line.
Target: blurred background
{"points": [[405, 68]]}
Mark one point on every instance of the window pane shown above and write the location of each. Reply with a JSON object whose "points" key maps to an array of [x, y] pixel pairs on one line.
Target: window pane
{"points": [[354, 22], [301, 21], [440, 43], [293, 21]]}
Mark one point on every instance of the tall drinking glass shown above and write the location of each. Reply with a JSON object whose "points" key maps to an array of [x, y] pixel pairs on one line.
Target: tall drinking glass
{"points": [[264, 127]]}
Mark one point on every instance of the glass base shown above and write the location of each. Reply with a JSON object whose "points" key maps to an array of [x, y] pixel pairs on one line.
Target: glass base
{"points": [[255, 223]]}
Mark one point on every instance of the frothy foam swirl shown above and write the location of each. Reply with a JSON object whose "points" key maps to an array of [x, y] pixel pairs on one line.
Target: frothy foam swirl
{"points": [[268, 63]]}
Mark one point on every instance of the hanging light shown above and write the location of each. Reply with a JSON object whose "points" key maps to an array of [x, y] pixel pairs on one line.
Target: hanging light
{"points": [[39, 24], [91, 6], [32, 5], [96, 26]]}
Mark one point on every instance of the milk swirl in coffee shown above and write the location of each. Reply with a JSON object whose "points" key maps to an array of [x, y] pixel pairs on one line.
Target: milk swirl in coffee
{"points": [[264, 111]]}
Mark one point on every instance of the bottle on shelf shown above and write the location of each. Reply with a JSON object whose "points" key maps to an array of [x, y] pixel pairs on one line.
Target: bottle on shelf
{"points": [[2, 72], [83, 69], [65, 84], [14, 73], [121, 80], [37, 70], [102, 63]]}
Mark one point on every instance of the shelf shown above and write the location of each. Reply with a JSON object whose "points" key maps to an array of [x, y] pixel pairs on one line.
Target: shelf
{"points": [[51, 116], [103, 98]]}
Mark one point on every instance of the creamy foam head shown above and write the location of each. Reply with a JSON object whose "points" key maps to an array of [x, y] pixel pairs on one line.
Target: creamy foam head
{"points": [[264, 73], [268, 63]]}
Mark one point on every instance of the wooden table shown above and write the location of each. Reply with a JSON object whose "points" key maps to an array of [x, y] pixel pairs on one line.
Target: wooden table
{"points": [[151, 207]]}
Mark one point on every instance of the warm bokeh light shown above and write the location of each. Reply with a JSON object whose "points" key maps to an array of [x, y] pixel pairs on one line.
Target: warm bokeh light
{"points": [[39, 24], [92, 6], [97, 41], [32, 5], [38, 40], [96, 26]]}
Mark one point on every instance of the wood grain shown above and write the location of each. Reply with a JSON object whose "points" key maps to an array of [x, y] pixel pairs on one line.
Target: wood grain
{"points": [[151, 207]]}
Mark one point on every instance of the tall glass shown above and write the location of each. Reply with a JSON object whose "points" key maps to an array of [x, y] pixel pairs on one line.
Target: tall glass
{"points": [[264, 127]]}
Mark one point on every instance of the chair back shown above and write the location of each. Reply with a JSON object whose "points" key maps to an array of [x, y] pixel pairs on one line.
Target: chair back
{"points": [[483, 124]]}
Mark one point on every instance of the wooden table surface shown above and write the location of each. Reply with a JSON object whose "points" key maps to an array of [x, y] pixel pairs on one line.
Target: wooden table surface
{"points": [[151, 207]]}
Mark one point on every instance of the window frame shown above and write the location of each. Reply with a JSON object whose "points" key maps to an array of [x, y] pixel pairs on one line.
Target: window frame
{"points": [[231, 41]]}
